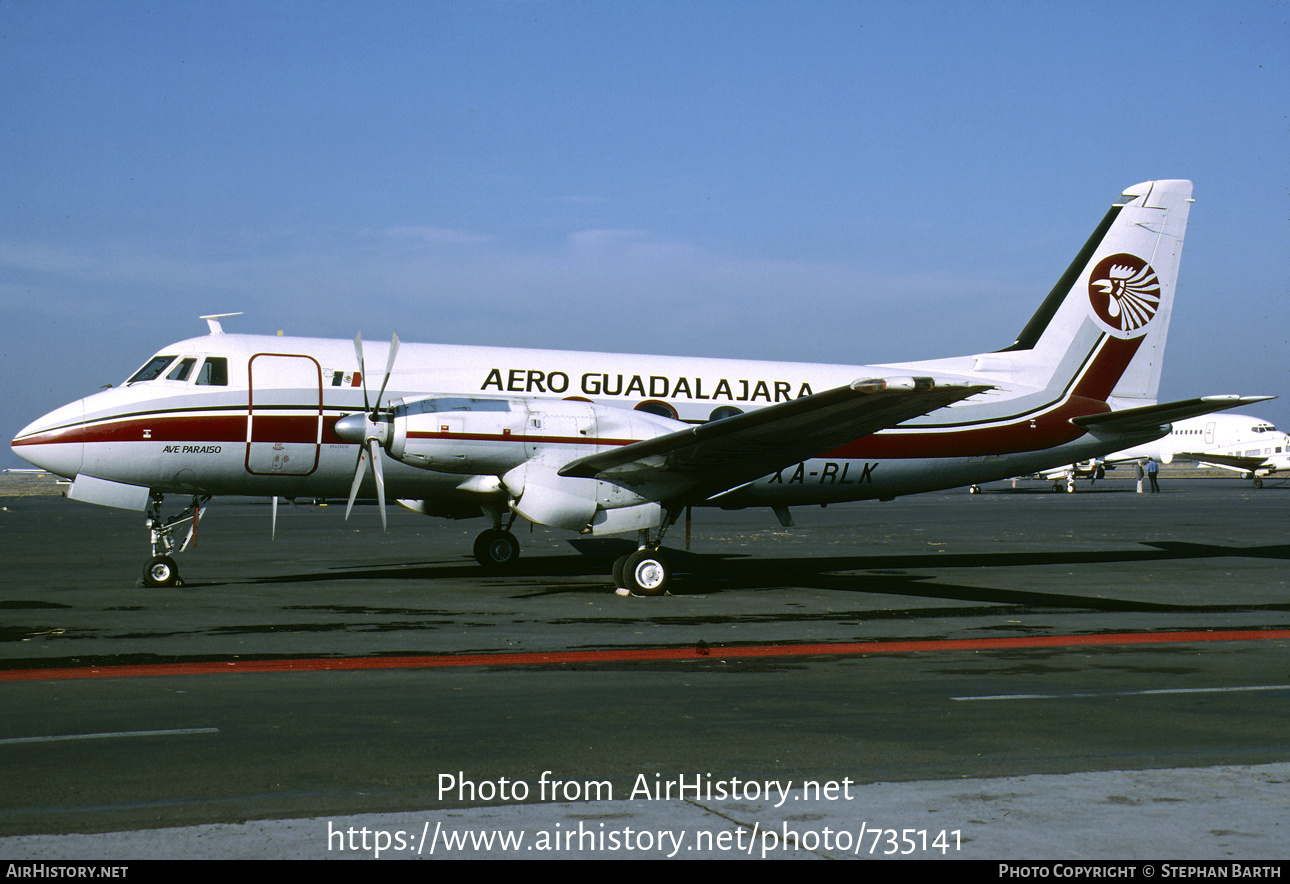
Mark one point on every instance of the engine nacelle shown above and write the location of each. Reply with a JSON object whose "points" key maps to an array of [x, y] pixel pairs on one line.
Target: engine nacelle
{"points": [[540, 494], [525, 442], [459, 434], [490, 436]]}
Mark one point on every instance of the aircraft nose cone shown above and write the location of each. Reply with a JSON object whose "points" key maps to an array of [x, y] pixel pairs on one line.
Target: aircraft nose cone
{"points": [[55, 442], [352, 428]]}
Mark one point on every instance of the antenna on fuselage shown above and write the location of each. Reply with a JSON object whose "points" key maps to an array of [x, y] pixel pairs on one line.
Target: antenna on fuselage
{"points": [[213, 321]]}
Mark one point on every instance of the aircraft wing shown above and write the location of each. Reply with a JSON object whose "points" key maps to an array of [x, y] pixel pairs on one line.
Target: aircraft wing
{"points": [[1155, 418], [700, 461], [1230, 461]]}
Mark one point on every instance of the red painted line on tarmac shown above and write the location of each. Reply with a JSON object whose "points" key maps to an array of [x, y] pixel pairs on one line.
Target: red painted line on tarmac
{"points": [[541, 658]]}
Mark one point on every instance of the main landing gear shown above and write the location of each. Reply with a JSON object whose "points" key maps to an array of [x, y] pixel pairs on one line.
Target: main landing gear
{"points": [[643, 572], [161, 569], [497, 547], [646, 571]]}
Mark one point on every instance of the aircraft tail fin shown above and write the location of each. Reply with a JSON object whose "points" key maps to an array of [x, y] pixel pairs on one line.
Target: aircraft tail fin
{"points": [[1101, 331]]}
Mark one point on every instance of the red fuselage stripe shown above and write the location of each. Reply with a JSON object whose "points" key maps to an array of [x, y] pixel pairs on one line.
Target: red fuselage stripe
{"points": [[220, 427], [528, 439]]}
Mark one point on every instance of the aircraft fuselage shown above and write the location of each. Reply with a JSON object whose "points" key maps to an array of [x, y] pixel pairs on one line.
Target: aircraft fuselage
{"points": [[269, 429]]}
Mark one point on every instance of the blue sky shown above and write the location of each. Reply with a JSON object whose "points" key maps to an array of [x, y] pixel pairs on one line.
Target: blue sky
{"points": [[843, 182]]}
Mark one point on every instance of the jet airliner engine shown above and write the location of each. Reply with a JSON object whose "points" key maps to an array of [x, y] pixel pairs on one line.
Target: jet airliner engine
{"points": [[520, 445]]}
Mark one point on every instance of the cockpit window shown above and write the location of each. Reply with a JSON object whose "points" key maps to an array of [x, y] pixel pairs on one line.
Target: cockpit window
{"points": [[152, 370], [214, 372], [182, 369]]}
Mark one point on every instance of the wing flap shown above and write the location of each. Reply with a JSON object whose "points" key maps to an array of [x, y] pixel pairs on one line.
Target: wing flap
{"points": [[700, 461]]}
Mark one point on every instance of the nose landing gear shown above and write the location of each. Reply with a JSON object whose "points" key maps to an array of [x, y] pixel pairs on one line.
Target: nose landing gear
{"points": [[161, 569]]}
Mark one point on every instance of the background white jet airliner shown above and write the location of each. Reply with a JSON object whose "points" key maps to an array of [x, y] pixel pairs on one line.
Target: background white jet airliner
{"points": [[1247, 445], [605, 443]]}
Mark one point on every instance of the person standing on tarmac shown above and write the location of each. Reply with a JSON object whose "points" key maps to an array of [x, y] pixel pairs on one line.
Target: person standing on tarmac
{"points": [[1153, 470]]}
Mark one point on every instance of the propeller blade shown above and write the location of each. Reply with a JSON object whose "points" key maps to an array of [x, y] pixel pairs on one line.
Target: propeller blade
{"points": [[273, 526], [359, 470], [389, 369], [362, 372], [379, 471], [371, 445]]}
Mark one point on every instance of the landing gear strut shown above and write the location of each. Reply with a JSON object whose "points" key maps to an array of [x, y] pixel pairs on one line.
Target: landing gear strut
{"points": [[646, 571], [161, 569]]}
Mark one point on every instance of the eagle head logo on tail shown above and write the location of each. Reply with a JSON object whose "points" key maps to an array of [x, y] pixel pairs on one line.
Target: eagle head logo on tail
{"points": [[1125, 292]]}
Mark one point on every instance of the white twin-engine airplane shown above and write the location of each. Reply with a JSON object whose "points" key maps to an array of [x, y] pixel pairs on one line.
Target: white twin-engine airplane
{"points": [[602, 443]]}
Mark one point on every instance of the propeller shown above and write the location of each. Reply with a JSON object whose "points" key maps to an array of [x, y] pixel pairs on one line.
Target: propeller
{"points": [[368, 430]]}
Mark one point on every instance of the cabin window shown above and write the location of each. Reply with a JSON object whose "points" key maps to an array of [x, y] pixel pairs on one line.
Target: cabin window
{"points": [[654, 406], [182, 369], [150, 372], [214, 372], [721, 412]]}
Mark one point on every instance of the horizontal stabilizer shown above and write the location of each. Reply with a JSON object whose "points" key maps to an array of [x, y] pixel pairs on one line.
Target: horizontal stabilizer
{"points": [[1149, 418], [712, 457]]}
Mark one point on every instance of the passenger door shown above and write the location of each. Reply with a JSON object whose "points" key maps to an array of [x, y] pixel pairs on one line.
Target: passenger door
{"points": [[284, 415]]}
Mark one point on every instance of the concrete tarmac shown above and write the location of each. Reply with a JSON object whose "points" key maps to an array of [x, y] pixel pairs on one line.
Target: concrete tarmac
{"points": [[1049, 675]]}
